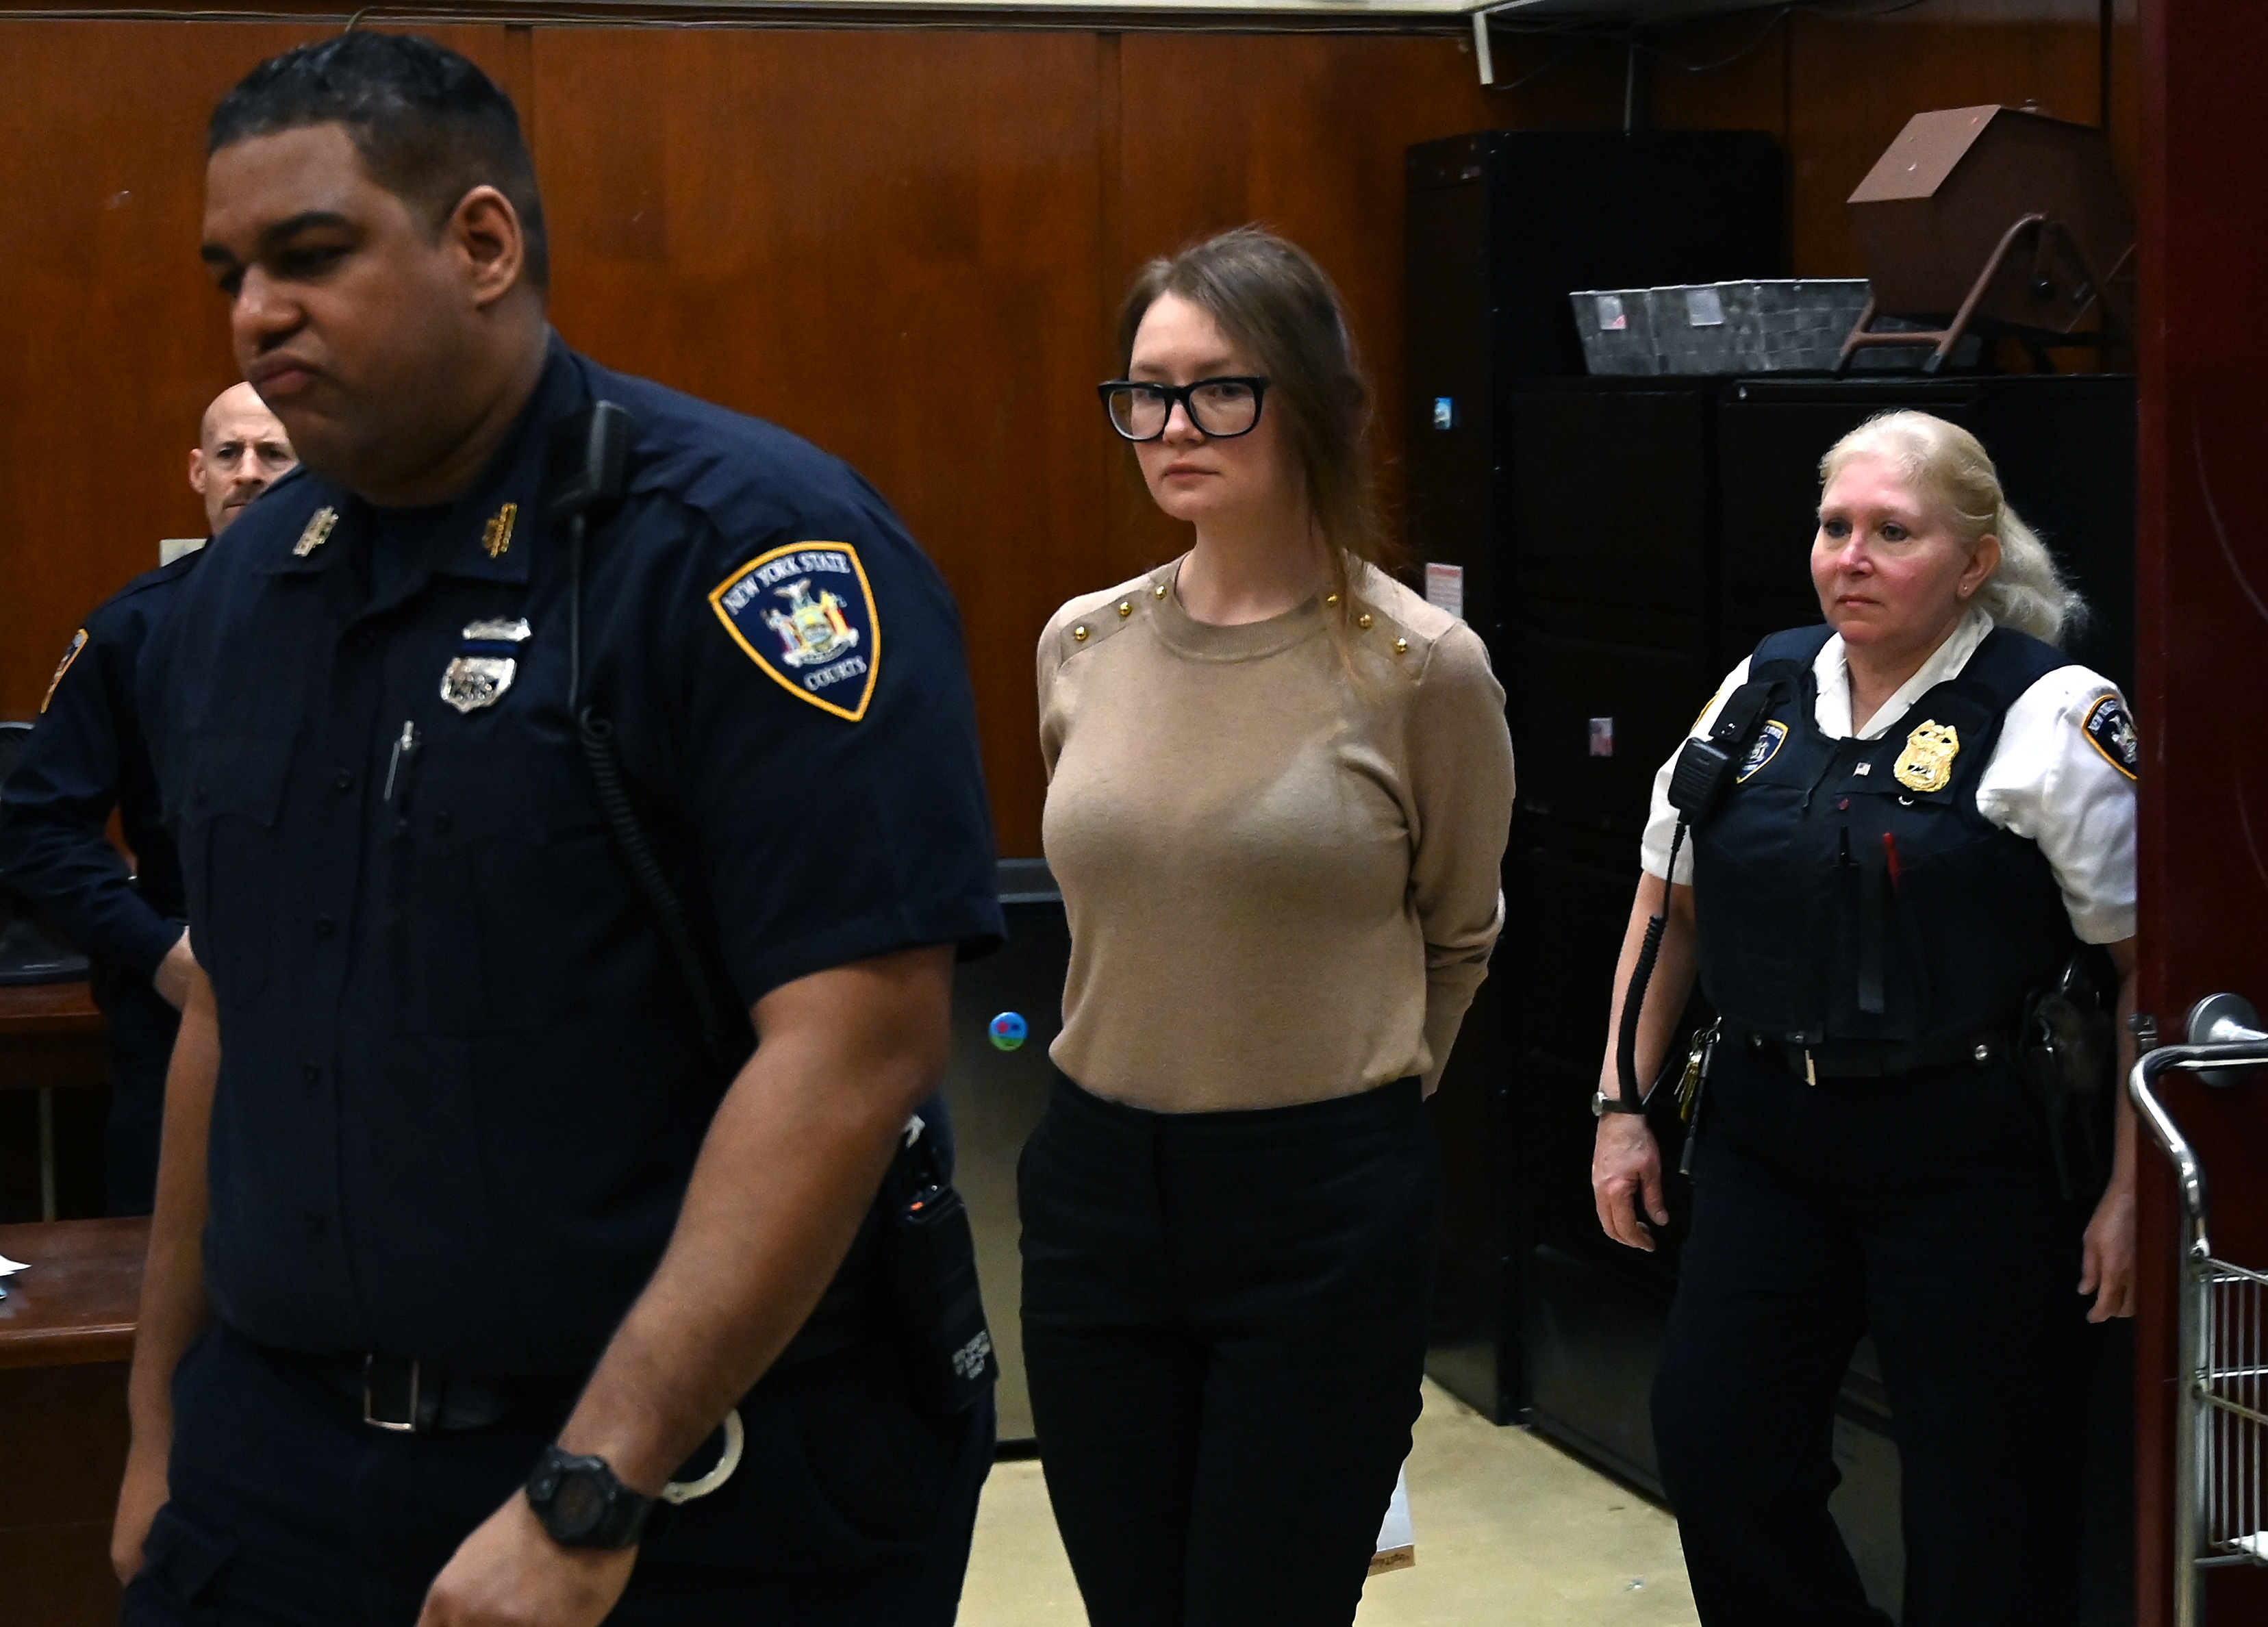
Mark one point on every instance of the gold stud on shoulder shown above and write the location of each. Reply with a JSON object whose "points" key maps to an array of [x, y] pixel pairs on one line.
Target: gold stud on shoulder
{"points": [[1401, 646], [1331, 598], [1079, 632], [1126, 607], [1158, 591], [1363, 621]]}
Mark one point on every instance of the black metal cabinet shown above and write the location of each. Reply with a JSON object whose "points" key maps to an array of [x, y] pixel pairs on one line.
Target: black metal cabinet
{"points": [[995, 1097], [1501, 226]]}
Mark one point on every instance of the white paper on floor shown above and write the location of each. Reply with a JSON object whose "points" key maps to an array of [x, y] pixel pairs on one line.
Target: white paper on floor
{"points": [[1397, 1537], [9, 1267]]}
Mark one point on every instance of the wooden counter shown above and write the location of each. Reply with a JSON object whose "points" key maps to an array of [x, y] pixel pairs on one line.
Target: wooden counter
{"points": [[51, 1037], [75, 1306], [66, 1334]]}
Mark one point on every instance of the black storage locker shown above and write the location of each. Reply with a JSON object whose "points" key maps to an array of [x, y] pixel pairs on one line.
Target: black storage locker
{"points": [[1502, 226]]}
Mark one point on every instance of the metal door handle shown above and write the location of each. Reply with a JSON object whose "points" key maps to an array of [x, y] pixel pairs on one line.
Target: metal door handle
{"points": [[2225, 1019]]}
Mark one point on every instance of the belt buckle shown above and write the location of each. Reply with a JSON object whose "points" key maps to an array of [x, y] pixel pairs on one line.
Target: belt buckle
{"points": [[406, 1428]]}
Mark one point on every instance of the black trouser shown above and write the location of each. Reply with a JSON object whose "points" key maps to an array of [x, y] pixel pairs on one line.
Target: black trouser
{"points": [[140, 1039], [1224, 1332], [850, 1508], [1921, 1210]]}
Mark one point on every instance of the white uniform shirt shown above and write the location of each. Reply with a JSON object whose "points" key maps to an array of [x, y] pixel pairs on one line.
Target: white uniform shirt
{"points": [[2052, 777]]}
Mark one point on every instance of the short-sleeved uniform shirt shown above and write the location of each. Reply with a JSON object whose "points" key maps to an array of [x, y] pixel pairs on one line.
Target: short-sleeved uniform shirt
{"points": [[461, 1083], [2062, 773], [86, 757]]}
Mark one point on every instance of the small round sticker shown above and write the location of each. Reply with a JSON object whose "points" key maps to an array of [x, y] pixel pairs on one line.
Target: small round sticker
{"points": [[1009, 1030]]}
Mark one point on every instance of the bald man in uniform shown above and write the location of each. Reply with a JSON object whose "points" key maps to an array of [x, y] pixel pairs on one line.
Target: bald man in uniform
{"points": [[240, 448], [87, 756]]}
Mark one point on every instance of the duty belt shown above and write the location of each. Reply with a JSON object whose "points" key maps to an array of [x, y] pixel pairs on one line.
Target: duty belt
{"points": [[408, 1397], [1875, 1059]]}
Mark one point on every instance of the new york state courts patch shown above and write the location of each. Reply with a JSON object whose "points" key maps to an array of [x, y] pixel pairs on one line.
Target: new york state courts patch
{"points": [[2112, 732], [804, 614]]}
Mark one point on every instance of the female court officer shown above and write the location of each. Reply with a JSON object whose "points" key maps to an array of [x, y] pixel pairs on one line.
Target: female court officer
{"points": [[1926, 812], [1280, 787]]}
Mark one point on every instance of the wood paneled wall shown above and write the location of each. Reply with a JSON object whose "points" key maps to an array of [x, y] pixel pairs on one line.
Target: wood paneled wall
{"points": [[908, 246], [1836, 87], [904, 245]]}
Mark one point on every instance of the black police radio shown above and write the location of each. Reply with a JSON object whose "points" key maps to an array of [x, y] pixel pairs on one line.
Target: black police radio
{"points": [[1705, 767]]}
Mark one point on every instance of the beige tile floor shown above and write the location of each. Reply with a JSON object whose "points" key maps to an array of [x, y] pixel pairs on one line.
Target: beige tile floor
{"points": [[1510, 1530]]}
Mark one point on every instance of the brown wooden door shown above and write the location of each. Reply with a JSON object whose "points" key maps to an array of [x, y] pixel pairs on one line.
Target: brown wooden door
{"points": [[2202, 690]]}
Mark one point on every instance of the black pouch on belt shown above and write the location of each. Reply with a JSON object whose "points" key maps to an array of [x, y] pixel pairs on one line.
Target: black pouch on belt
{"points": [[2067, 1048], [931, 1258]]}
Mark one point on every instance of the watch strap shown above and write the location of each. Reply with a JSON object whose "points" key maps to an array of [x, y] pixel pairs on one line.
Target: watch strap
{"points": [[1603, 1104]]}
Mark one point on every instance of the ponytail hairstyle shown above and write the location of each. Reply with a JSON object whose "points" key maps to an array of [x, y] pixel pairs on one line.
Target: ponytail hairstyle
{"points": [[2026, 591], [1273, 302]]}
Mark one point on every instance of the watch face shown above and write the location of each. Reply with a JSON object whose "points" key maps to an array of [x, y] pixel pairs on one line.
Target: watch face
{"points": [[578, 1505]]}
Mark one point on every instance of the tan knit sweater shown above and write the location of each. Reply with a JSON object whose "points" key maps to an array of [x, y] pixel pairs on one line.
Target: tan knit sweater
{"points": [[1281, 875]]}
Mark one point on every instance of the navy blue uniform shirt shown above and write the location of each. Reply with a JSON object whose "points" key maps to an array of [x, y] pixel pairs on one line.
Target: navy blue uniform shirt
{"points": [[86, 756], [461, 1085]]}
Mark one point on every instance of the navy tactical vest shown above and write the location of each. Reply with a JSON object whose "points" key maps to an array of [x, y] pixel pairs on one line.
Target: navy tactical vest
{"points": [[1850, 890]]}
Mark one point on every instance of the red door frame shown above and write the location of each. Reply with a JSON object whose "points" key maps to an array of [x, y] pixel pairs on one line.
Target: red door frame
{"points": [[2203, 657]]}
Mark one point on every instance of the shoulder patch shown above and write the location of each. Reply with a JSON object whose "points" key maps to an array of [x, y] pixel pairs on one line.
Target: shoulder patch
{"points": [[2111, 732], [804, 614], [78, 644], [1766, 747]]}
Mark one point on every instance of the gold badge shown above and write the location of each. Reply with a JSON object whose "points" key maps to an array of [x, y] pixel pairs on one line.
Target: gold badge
{"points": [[1926, 763], [498, 537], [317, 534]]}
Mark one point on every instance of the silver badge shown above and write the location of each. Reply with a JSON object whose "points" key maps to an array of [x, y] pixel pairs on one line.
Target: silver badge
{"points": [[476, 680], [483, 673]]}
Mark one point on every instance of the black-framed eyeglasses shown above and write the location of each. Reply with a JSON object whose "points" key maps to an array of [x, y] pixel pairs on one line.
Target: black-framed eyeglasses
{"points": [[1221, 409]]}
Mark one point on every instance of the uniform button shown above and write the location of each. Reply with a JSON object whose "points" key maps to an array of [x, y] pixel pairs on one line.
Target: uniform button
{"points": [[1125, 607], [325, 926], [1158, 592], [1401, 646], [1363, 621], [1079, 632], [344, 779], [311, 1072]]}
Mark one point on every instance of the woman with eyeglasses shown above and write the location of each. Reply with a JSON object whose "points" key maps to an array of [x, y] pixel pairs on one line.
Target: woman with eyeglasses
{"points": [[1279, 789]]}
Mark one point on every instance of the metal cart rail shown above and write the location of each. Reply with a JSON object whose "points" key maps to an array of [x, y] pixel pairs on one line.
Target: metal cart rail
{"points": [[2220, 1407]]}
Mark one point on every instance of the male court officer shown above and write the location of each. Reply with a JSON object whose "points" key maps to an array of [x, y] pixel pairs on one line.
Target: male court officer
{"points": [[86, 757], [491, 1241]]}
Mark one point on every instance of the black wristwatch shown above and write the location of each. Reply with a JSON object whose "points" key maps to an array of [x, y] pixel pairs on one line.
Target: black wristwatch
{"points": [[582, 1505]]}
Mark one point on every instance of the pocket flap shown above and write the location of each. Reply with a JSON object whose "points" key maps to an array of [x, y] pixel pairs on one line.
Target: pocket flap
{"points": [[182, 1557], [234, 773]]}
